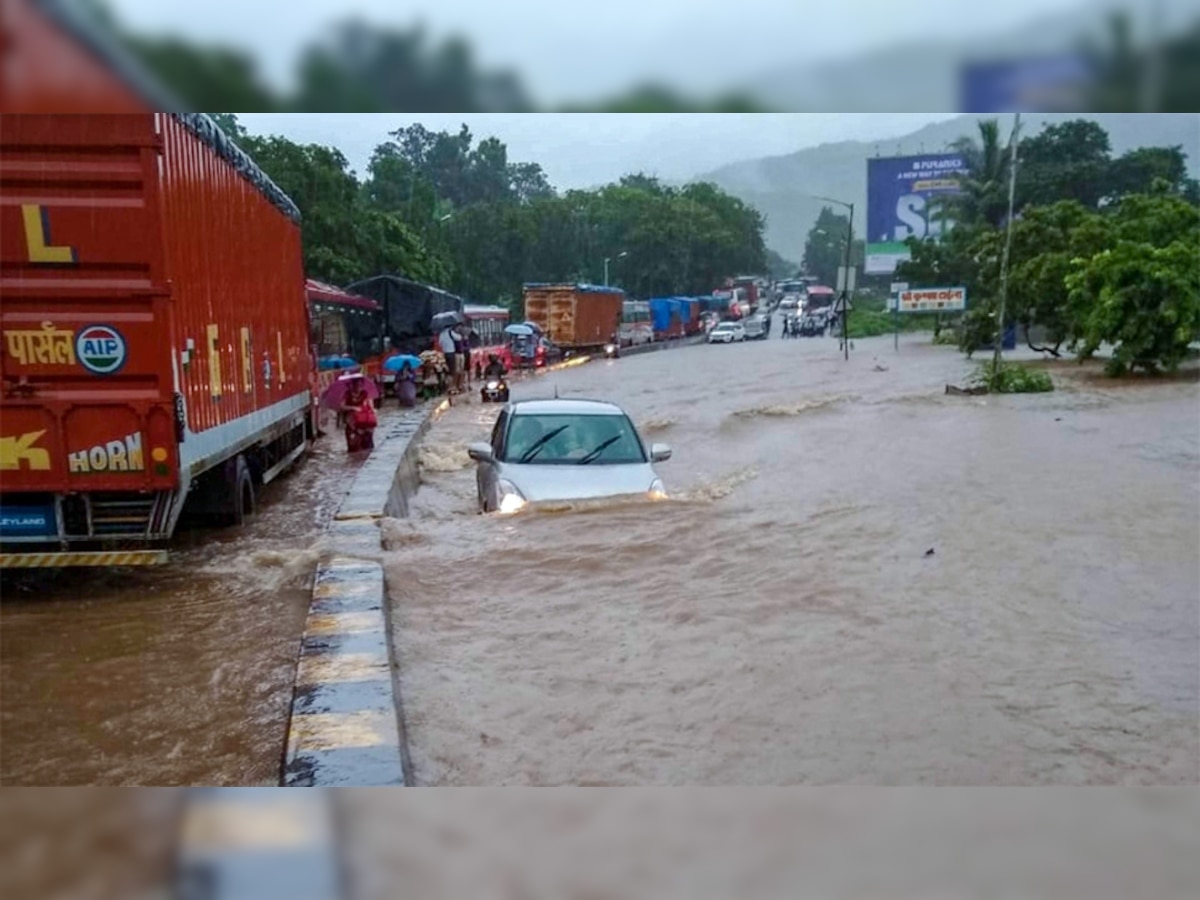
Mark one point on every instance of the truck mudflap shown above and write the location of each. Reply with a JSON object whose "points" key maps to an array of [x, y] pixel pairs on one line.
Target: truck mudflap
{"points": [[83, 559]]}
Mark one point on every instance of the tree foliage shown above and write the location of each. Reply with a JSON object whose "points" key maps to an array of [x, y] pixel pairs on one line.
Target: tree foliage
{"points": [[1141, 293], [442, 208], [1105, 252]]}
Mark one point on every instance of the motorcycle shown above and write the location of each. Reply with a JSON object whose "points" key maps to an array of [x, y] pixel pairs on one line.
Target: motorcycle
{"points": [[494, 390], [612, 351]]}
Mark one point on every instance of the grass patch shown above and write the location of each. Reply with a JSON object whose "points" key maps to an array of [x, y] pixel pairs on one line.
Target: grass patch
{"points": [[871, 323], [1009, 378]]}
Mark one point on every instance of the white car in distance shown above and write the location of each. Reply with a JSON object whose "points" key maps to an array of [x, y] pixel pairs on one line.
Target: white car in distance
{"points": [[727, 333]]}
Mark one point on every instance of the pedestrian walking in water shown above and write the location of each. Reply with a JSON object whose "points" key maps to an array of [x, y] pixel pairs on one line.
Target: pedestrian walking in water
{"points": [[361, 420], [449, 348], [462, 364], [406, 385]]}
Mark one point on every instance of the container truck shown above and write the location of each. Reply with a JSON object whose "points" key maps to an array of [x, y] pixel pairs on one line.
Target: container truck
{"points": [[667, 316], [575, 316], [408, 309], [155, 345]]}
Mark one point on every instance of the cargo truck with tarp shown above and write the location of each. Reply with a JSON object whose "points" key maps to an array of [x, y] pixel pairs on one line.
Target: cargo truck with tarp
{"points": [[575, 316], [155, 335], [408, 310]]}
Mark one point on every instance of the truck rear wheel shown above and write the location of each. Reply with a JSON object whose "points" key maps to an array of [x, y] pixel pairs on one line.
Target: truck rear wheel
{"points": [[242, 499]]}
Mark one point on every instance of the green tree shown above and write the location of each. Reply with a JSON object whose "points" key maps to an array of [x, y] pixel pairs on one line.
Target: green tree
{"points": [[781, 268], [1144, 300], [1045, 242], [1068, 161], [1137, 171], [824, 248], [364, 68], [983, 193], [204, 76]]}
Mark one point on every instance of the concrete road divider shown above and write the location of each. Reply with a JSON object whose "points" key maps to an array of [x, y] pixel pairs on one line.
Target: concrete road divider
{"points": [[346, 726], [258, 844]]}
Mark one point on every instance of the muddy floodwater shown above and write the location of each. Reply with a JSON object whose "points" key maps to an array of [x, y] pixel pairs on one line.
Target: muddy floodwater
{"points": [[180, 674], [858, 580]]}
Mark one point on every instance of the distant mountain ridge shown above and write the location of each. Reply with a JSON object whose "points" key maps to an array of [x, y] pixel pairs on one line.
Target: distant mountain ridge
{"points": [[780, 186]]}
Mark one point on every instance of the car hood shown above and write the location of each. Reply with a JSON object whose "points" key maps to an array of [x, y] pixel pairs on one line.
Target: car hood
{"points": [[541, 483]]}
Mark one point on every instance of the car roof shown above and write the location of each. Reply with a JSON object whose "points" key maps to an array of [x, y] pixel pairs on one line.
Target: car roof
{"points": [[559, 407]]}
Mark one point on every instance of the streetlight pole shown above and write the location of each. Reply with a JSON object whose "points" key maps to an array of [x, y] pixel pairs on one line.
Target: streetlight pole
{"points": [[845, 295], [609, 259], [846, 285], [1012, 190]]}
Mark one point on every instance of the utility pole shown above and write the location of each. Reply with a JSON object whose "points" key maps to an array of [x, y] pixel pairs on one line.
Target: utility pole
{"points": [[1013, 143], [846, 285]]}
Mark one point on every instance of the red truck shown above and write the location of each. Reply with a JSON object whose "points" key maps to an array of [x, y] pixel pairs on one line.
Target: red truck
{"points": [[155, 346]]}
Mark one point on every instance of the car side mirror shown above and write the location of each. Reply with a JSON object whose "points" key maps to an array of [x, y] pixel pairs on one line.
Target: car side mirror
{"points": [[659, 452], [481, 452]]}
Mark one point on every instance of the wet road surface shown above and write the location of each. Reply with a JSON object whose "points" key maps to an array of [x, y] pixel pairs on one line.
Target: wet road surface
{"points": [[782, 620], [174, 675]]}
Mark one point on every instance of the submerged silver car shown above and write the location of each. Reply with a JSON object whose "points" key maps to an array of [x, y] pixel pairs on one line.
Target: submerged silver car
{"points": [[553, 450]]}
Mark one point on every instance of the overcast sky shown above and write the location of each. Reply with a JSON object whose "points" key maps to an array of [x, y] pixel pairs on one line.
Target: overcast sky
{"points": [[568, 51], [584, 150]]}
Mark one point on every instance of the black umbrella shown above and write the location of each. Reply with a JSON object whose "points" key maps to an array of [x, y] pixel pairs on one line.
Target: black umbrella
{"points": [[446, 320]]}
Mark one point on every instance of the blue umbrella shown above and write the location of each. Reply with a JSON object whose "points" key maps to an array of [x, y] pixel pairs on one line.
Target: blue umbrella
{"points": [[396, 363], [519, 330]]}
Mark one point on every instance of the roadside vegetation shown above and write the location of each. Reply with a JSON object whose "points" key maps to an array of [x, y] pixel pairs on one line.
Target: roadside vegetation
{"points": [[1012, 378], [1105, 251], [447, 209]]}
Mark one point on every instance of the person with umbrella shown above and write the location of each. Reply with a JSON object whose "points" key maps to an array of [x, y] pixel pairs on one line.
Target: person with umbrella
{"points": [[462, 366], [361, 420], [449, 348], [353, 396], [406, 385]]}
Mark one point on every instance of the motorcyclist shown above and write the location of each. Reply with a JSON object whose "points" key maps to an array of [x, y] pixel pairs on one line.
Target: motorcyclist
{"points": [[495, 368]]}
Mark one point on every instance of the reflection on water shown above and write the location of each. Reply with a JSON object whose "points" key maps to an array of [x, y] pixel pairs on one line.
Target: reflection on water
{"points": [[859, 580], [174, 675]]}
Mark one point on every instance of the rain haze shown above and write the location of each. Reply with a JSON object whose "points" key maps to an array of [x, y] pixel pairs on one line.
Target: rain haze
{"points": [[704, 45], [582, 150]]}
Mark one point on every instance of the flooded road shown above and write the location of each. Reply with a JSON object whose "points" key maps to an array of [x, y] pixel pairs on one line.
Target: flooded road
{"points": [[173, 675], [859, 580]]}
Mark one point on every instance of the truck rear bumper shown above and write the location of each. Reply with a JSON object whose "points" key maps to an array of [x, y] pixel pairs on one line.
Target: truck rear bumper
{"points": [[82, 559]]}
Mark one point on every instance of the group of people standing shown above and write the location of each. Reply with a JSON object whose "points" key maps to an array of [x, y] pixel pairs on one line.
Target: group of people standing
{"points": [[446, 369]]}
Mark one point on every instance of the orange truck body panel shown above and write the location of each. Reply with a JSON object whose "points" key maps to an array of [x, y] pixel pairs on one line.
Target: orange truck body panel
{"points": [[50, 68], [140, 276], [575, 316]]}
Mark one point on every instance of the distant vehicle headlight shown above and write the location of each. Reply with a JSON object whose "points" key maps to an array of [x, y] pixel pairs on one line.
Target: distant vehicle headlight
{"points": [[493, 385], [511, 500], [658, 490], [610, 348]]}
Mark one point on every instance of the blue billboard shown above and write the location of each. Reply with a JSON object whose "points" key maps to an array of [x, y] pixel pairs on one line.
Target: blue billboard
{"points": [[1034, 84], [899, 191]]}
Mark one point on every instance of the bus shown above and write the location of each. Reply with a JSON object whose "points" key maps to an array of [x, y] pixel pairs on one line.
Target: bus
{"points": [[487, 336], [636, 327], [346, 331]]}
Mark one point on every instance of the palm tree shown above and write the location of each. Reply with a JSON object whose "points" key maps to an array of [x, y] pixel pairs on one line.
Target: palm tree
{"points": [[983, 194]]}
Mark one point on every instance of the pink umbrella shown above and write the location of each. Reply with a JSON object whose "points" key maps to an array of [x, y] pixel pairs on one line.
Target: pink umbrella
{"points": [[334, 396]]}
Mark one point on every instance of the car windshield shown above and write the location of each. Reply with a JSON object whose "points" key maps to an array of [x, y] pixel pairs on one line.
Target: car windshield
{"points": [[572, 440], [726, 326]]}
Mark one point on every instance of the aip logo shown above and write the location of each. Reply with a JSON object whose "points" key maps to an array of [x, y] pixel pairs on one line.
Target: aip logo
{"points": [[101, 349]]}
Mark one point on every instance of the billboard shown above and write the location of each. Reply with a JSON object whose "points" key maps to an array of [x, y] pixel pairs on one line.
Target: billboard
{"points": [[1059, 83], [899, 189], [934, 299]]}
